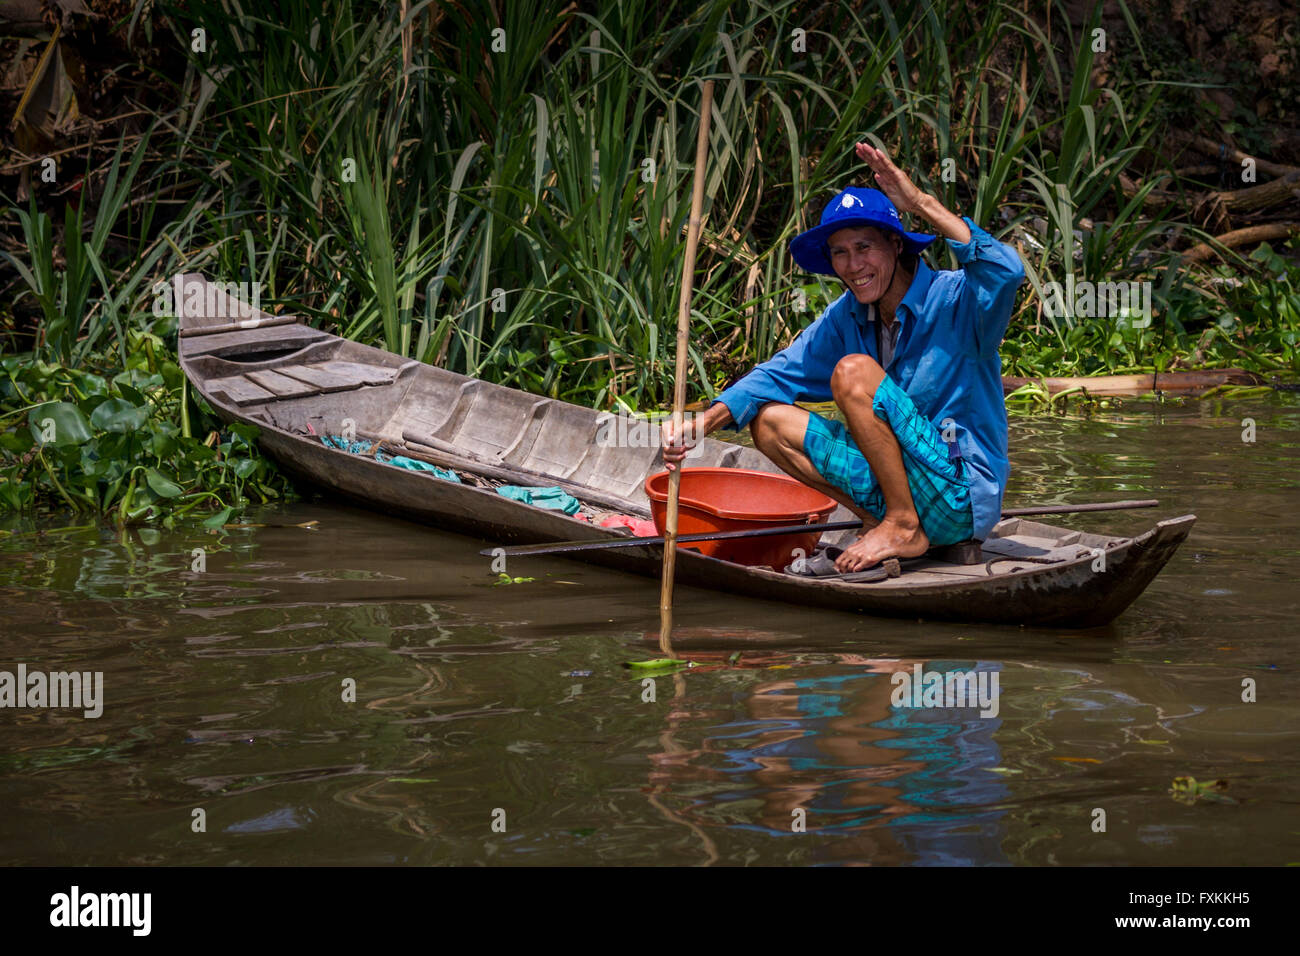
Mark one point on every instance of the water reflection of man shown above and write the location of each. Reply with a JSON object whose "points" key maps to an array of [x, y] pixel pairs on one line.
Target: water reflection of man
{"points": [[892, 785]]}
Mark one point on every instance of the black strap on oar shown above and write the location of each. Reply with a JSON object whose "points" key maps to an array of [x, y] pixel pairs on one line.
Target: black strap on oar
{"points": [[568, 547]]}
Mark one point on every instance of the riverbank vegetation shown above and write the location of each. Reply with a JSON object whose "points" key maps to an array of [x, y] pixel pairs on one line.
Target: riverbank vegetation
{"points": [[502, 189]]}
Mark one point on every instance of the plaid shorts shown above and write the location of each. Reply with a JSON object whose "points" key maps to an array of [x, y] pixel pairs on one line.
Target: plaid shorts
{"points": [[938, 482]]}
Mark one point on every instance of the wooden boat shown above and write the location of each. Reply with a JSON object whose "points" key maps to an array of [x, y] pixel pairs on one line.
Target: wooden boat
{"points": [[297, 383]]}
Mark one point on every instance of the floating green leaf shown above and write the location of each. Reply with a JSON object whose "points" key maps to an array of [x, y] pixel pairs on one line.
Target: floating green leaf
{"points": [[163, 487], [504, 578], [58, 424], [119, 415], [1189, 790], [218, 519], [245, 467], [16, 441], [659, 663], [132, 395]]}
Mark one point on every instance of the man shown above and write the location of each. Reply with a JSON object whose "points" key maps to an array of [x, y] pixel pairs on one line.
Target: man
{"points": [[909, 355]]}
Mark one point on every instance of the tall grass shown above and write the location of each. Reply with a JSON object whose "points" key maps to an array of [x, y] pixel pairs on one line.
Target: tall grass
{"points": [[518, 214], [77, 322]]}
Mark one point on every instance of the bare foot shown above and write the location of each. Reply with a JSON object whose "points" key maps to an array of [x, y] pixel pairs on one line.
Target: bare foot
{"points": [[892, 538], [869, 520]]}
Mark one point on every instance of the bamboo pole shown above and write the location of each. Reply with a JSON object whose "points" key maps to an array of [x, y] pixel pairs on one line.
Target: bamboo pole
{"points": [[679, 383], [586, 544]]}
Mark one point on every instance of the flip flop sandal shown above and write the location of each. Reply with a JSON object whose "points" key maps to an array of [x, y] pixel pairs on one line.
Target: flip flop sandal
{"points": [[822, 565]]}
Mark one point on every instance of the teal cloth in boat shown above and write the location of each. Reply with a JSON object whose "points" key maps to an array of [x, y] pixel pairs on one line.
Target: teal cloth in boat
{"points": [[397, 461], [411, 464], [354, 447], [556, 498]]}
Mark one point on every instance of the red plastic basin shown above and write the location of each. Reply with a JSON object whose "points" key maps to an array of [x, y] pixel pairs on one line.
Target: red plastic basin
{"points": [[738, 499]]}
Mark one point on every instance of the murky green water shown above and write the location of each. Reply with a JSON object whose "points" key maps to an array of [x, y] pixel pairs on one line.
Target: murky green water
{"points": [[474, 703]]}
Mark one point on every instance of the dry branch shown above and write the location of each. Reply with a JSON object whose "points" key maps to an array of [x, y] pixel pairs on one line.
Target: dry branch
{"points": [[1263, 196], [1209, 147], [1204, 251]]}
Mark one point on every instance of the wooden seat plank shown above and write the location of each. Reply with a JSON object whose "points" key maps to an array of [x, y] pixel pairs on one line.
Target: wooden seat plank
{"points": [[322, 378], [241, 391], [282, 385], [228, 343], [1040, 549], [364, 374]]}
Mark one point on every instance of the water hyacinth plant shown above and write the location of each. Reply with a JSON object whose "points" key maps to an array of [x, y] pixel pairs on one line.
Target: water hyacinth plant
{"points": [[122, 446]]}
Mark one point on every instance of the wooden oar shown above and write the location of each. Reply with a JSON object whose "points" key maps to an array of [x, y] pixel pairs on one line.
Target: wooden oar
{"points": [[679, 382], [1079, 509], [568, 547]]}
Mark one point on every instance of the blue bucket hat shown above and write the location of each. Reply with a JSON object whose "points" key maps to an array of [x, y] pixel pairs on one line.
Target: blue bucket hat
{"points": [[855, 206]]}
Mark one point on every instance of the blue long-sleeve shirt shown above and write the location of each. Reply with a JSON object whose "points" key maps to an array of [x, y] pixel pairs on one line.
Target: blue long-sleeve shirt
{"points": [[946, 359]]}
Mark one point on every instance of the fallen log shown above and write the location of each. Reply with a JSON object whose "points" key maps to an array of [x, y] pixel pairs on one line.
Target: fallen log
{"points": [[1209, 147], [1204, 251], [1263, 196], [1190, 381]]}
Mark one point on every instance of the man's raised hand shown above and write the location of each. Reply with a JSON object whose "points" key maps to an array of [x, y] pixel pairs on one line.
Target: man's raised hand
{"points": [[906, 197], [893, 182]]}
